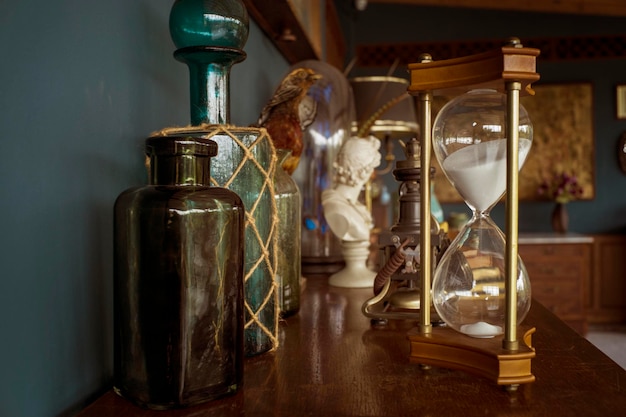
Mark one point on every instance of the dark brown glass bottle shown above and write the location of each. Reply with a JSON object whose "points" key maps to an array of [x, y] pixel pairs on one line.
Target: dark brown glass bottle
{"points": [[178, 281]]}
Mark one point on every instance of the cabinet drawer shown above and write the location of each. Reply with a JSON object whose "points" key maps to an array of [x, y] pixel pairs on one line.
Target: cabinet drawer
{"points": [[565, 271], [562, 298], [564, 309], [558, 273], [556, 290], [558, 251]]}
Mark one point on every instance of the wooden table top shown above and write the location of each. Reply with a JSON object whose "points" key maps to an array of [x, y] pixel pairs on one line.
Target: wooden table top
{"points": [[331, 362]]}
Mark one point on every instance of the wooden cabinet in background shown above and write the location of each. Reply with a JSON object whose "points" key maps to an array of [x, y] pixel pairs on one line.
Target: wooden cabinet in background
{"points": [[605, 295], [560, 268]]}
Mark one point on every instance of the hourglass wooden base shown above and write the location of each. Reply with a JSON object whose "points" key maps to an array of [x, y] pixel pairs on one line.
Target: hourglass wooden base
{"points": [[447, 348]]}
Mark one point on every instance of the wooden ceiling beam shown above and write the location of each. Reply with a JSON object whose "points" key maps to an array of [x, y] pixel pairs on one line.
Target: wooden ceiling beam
{"points": [[585, 7]]}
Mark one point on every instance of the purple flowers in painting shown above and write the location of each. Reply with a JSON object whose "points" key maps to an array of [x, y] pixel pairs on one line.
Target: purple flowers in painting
{"points": [[561, 188]]}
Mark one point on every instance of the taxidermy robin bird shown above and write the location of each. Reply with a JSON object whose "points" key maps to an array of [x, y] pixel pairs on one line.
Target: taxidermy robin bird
{"points": [[289, 112]]}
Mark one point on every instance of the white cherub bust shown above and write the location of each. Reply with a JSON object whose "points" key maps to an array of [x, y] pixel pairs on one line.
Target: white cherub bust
{"points": [[347, 217]]}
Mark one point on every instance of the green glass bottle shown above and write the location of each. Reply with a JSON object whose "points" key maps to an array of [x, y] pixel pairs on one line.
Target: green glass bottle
{"points": [[210, 36], [178, 281], [288, 244]]}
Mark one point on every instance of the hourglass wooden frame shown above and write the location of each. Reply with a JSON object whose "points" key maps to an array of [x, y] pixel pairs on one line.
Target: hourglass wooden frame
{"points": [[511, 70]]}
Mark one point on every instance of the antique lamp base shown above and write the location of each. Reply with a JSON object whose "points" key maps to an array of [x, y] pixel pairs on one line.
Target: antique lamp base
{"points": [[393, 303], [450, 349]]}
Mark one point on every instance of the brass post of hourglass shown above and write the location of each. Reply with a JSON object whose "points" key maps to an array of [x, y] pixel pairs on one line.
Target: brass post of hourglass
{"points": [[510, 341], [426, 267]]}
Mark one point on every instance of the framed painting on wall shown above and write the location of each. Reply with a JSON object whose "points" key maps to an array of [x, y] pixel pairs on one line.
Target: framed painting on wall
{"points": [[563, 141], [620, 101]]}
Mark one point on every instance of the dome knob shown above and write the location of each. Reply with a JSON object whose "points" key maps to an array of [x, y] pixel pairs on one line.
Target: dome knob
{"points": [[214, 23]]}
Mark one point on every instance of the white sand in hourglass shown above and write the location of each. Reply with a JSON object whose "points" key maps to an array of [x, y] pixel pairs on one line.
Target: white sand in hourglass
{"points": [[478, 172]]}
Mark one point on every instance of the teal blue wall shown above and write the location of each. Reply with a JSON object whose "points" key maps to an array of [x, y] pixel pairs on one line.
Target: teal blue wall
{"points": [[397, 23], [82, 83]]}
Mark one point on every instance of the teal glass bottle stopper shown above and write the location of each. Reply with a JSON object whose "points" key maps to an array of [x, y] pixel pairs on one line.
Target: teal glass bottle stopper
{"points": [[210, 36]]}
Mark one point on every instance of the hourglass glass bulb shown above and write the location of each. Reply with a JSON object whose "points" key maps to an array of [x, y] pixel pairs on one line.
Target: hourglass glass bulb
{"points": [[470, 140]]}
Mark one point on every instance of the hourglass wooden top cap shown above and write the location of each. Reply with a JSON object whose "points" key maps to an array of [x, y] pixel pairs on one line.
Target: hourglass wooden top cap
{"points": [[180, 145], [491, 69]]}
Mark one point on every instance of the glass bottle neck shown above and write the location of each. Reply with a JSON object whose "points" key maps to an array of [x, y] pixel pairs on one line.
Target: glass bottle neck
{"points": [[180, 170], [209, 93], [209, 76]]}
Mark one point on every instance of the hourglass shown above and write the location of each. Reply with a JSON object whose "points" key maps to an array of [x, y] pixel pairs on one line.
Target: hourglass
{"points": [[480, 287], [470, 143]]}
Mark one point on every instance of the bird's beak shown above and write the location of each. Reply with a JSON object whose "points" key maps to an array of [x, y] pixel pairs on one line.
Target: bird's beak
{"points": [[316, 77]]}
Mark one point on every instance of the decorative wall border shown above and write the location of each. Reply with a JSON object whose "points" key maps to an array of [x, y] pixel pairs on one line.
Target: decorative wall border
{"points": [[552, 49]]}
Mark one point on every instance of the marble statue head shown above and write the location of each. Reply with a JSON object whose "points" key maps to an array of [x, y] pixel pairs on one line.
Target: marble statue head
{"points": [[356, 160]]}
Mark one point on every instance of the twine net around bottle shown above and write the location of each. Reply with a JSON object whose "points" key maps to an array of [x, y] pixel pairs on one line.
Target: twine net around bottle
{"points": [[245, 163]]}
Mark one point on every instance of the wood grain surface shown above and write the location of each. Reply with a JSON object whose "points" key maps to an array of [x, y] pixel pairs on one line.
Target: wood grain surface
{"points": [[331, 362]]}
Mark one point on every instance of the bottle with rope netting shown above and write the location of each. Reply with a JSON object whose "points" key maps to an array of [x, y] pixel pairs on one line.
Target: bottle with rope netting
{"points": [[246, 158]]}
